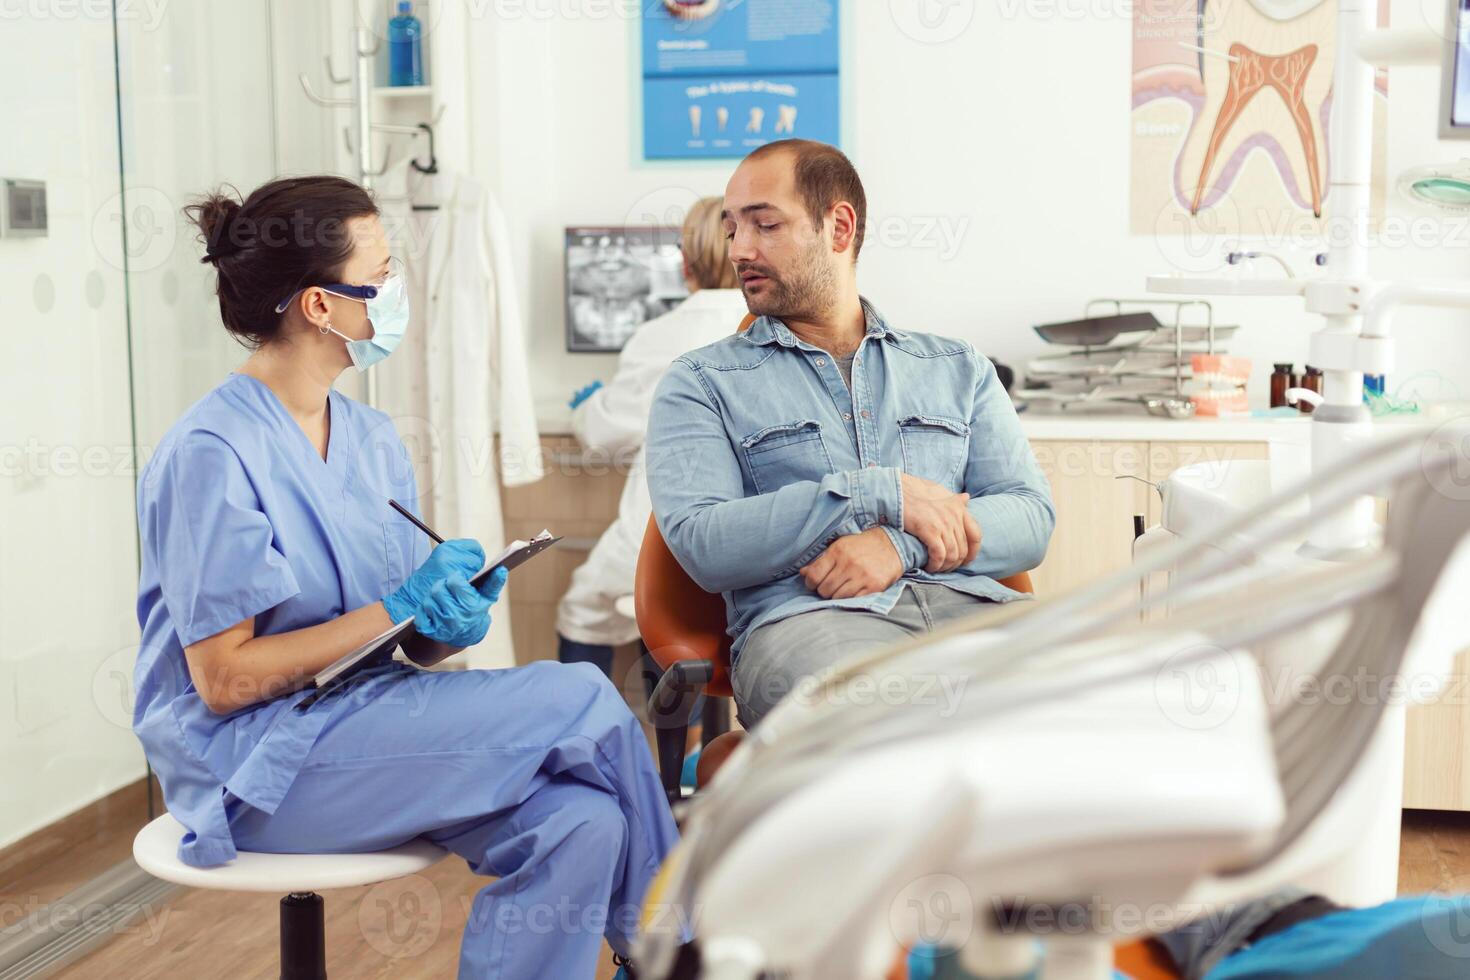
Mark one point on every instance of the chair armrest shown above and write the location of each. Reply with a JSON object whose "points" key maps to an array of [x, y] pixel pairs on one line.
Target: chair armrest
{"points": [[669, 711]]}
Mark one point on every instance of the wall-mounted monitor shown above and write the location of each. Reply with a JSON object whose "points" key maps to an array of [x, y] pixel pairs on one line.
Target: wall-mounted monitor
{"points": [[1454, 104], [618, 279]]}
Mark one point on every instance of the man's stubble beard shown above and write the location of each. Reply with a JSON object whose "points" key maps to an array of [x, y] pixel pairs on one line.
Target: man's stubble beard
{"points": [[809, 293]]}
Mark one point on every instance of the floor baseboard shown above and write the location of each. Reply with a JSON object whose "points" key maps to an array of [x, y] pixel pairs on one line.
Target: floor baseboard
{"points": [[80, 921]]}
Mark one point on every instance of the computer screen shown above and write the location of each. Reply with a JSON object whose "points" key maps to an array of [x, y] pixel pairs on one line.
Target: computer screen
{"points": [[1454, 118], [617, 280]]}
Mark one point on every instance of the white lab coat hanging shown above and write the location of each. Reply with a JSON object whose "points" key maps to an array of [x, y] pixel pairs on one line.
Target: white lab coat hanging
{"points": [[467, 376]]}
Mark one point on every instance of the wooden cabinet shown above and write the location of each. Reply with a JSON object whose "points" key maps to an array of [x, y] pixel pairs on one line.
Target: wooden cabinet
{"points": [[1437, 750], [578, 499], [1098, 486]]}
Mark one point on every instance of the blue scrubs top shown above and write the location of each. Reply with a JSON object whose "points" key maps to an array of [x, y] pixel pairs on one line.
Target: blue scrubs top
{"points": [[240, 516]]}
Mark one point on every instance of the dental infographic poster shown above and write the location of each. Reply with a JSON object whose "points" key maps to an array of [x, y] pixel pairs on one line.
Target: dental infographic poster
{"points": [[1231, 104], [722, 77]]}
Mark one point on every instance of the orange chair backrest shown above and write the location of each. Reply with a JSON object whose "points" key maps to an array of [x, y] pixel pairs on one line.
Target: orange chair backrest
{"points": [[676, 618]]}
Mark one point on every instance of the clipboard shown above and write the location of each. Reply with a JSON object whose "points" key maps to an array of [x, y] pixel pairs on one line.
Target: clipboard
{"points": [[381, 647]]}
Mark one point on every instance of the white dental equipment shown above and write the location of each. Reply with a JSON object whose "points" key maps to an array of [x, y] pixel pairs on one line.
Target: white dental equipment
{"points": [[1355, 339], [1079, 767]]}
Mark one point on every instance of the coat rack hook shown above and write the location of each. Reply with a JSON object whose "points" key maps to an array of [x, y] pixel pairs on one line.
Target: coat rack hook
{"points": [[320, 100], [432, 167], [332, 75]]}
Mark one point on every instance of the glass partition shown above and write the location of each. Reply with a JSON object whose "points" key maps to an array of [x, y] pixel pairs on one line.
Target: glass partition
{"points": [[114, 117]]}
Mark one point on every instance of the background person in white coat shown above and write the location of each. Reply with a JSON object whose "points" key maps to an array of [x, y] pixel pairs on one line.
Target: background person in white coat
{"points": [[613, 420]]}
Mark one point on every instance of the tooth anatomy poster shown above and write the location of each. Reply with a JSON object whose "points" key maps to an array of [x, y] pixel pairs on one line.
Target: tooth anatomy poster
{"points": [[722, 77], [1231, 105]]}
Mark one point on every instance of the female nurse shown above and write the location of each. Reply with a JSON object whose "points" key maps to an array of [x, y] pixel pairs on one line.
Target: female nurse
{"points": [[269, 550]]}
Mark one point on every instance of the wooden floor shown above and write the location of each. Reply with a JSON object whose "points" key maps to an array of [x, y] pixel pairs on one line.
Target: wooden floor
{"points": [[42, 867], [411, 928]]}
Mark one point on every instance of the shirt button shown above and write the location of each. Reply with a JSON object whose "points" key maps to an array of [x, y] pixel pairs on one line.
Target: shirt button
{"points": [[872, 466], [883, 519], [821, 362], [867, 414], [847, 416]]}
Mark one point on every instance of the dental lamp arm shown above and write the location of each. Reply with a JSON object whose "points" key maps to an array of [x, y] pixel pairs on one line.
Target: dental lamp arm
{"points": [[1379, 313]]}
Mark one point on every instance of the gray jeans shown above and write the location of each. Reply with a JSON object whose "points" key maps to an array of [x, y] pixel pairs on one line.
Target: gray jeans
{"points": [[779, 656]]}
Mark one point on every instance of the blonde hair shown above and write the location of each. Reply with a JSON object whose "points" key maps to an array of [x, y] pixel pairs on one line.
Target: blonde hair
{"points": [[706, 252]]}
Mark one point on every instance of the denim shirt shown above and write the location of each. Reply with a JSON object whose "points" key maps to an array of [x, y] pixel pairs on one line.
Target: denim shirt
{"points": [[759, 457]]}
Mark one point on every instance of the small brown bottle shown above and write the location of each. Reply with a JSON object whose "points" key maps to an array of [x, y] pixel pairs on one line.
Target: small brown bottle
{"points": [[1282, 378], [1312, 381]]}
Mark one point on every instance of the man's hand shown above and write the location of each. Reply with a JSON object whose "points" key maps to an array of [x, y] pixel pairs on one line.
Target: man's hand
{"points": [[855, 564], [941, 522]]}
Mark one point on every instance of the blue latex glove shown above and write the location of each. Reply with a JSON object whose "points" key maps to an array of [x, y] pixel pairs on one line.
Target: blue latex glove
{"points": [[582, 394], [462, 556], [456, 613]]}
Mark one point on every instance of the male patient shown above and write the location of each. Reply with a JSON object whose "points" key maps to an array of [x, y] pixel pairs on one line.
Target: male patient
{"points": [[844, 483]]}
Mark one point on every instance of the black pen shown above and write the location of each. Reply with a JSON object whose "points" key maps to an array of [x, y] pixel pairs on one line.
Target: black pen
{"points": [[417, 523]]}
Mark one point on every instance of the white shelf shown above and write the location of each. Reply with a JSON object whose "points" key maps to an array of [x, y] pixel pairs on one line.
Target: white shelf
{"points": [[1223, 286], [403, 91]]}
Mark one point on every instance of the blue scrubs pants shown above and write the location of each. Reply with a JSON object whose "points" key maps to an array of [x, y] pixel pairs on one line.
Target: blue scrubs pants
{"points": [[539, 776]]}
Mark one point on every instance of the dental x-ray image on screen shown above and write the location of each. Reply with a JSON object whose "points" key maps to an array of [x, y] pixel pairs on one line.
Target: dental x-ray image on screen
{"points": [[618, 278]]}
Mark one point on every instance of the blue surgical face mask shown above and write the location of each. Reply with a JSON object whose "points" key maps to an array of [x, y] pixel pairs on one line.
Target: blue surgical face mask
{"points": [[387, 311]]}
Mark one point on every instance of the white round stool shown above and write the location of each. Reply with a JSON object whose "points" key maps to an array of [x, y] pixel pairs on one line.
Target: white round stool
{"points": [[303, 935]]}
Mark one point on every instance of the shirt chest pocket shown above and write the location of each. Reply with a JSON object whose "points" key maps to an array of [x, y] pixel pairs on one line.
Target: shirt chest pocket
{"points": [[398, 544], [934, 447], [787, 453]]}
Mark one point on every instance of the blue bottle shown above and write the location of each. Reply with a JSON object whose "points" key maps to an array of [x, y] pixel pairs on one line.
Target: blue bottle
{"points": [[405, 48]]}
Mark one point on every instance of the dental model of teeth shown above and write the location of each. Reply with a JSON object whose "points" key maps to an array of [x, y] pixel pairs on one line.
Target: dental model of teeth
{"points": [[1219, 384]]}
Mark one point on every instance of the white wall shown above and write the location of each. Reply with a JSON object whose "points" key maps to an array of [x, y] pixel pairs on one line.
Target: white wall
{"points": [[1014, 136], [68, 563]]}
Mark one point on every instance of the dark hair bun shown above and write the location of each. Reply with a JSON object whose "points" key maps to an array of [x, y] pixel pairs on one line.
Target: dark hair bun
{"points": [[288, 234], [214, 216]]}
